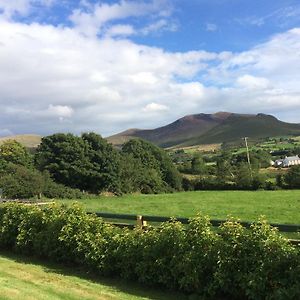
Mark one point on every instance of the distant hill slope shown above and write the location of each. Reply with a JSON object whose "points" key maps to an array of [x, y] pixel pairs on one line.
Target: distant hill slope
{"points": [[28, 140], [238, 126], [175, 133], [210, 128]]}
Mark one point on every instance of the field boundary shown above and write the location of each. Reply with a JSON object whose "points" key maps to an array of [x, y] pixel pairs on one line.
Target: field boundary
{"points": [[141, 221]]}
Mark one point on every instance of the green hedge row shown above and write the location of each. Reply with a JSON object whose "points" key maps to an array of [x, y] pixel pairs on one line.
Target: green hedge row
{"points": [[236, 264]]}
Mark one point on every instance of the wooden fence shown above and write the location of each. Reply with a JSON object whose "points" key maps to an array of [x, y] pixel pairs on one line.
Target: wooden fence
{"points": [[142, 220]]}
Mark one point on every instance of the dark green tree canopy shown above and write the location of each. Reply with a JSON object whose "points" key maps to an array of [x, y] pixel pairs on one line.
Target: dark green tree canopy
{"points": [[18, 181], [156, 168], [87, 162], [292, 178]]}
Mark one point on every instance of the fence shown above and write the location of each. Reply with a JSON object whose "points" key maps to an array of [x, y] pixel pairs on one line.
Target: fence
{"points": [[141, 221]]}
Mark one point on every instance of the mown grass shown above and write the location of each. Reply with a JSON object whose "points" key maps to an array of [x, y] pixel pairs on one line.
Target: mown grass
{"points": [[27, 279], [277, 206]]}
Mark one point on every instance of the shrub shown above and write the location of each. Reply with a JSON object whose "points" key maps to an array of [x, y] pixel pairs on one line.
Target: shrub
{"points": [[20, 182], [236, 263], [59, 191]]}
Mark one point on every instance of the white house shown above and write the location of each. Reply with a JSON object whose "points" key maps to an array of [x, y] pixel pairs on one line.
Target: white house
{"points": [[288, 161]]}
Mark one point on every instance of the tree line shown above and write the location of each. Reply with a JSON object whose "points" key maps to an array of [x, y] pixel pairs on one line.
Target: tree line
{"points": [[66, 165], [70, 166], [228, 171]]}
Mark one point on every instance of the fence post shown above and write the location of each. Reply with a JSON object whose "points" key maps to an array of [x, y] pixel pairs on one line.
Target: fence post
{"points": [[140, 221]]}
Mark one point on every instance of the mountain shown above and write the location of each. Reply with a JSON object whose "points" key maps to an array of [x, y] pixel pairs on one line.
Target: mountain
{"points": [[253, 126], [27, 140], [175, 133], [210, 128]]}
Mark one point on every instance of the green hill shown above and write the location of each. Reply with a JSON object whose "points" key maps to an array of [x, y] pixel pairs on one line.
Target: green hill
{"points": [[215, 128], [255, 127]]}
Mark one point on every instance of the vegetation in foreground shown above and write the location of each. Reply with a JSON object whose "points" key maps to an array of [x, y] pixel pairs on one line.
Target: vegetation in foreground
{"points": [[281, 206], [259, 263], [29, 278]]}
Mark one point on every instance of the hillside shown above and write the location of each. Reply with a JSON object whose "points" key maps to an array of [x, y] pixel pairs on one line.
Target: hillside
{"points": [[237, 126], [209, 129], [28, 140], [175, 133]]}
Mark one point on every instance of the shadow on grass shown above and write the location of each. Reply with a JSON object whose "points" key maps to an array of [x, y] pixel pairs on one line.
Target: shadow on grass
{"points": [[118, 284]]}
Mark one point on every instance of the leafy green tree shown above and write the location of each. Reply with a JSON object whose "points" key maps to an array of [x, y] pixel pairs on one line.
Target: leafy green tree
{"points": [[103, 170], [155, 167], [198, 165], [87, 162], [292, 178], [243, 177], [12, 151], [64, 157], [18, 181]]}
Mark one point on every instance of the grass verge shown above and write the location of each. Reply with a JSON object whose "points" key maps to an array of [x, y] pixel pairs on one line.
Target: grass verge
{"points": [[29, 278]]}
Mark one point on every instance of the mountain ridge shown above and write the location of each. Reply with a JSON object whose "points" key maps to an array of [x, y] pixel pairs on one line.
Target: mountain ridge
{"points": [[210, 128]]}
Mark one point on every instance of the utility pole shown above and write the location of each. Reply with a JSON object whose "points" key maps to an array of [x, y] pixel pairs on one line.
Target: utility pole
{"points": [[248, 155]]}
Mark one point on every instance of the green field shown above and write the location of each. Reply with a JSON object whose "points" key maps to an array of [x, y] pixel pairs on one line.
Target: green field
{"points": [[28, 279], [277, 206]]}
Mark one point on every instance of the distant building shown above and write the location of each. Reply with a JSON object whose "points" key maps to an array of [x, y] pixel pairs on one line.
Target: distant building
{"points": [[287, 161]]}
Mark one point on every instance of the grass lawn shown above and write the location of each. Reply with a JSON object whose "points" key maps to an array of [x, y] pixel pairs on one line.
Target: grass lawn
{"points": [[24, 278], [277, 206]]}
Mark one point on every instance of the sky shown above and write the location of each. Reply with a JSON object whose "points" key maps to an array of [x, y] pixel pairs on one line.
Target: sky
{"points": [[106, 66]]}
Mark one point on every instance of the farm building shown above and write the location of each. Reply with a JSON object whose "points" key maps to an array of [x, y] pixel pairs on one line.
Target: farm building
{"points": [[288, 161]]}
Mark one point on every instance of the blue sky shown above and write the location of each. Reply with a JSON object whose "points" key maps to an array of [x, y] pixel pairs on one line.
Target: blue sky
{"points": [[110, 65]]}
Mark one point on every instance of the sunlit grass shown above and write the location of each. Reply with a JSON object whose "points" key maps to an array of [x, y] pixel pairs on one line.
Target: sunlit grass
{"points": [[277, 206], [28, 279]]}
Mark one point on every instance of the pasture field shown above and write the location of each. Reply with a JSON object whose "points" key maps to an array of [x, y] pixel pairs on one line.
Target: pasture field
{"points": [[277, 206], [27, 279]]}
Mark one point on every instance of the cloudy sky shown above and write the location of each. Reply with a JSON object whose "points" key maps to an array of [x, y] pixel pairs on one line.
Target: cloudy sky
{"points": [[106, 66]]}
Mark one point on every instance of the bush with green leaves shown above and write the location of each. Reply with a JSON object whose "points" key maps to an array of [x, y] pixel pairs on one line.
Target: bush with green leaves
{"points": [[18, 181], [235, 263], [292, 178]]}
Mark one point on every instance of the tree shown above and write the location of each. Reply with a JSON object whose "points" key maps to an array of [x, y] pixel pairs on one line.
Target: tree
{"points": [[87, 162], [197, 165], [243, 178], [155, 168], [20, 182], [292, 178], [12, 151], [103, 171], [64, 157]]}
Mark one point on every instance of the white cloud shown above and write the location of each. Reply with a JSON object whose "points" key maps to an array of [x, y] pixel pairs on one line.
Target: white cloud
{"points": [[89, 82], [282, 17], [211, 27], [155, 107], [120, 30], [10, 8], [159, 26], [94, 18], [252, 82], [61, 111], [56, 79]]}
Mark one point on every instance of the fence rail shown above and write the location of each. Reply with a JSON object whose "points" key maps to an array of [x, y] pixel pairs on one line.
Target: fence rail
{"points": [[216, 223], [141, 221]]}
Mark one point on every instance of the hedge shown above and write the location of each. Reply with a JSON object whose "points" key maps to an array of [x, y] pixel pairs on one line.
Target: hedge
{"points": [[235, 263]]}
